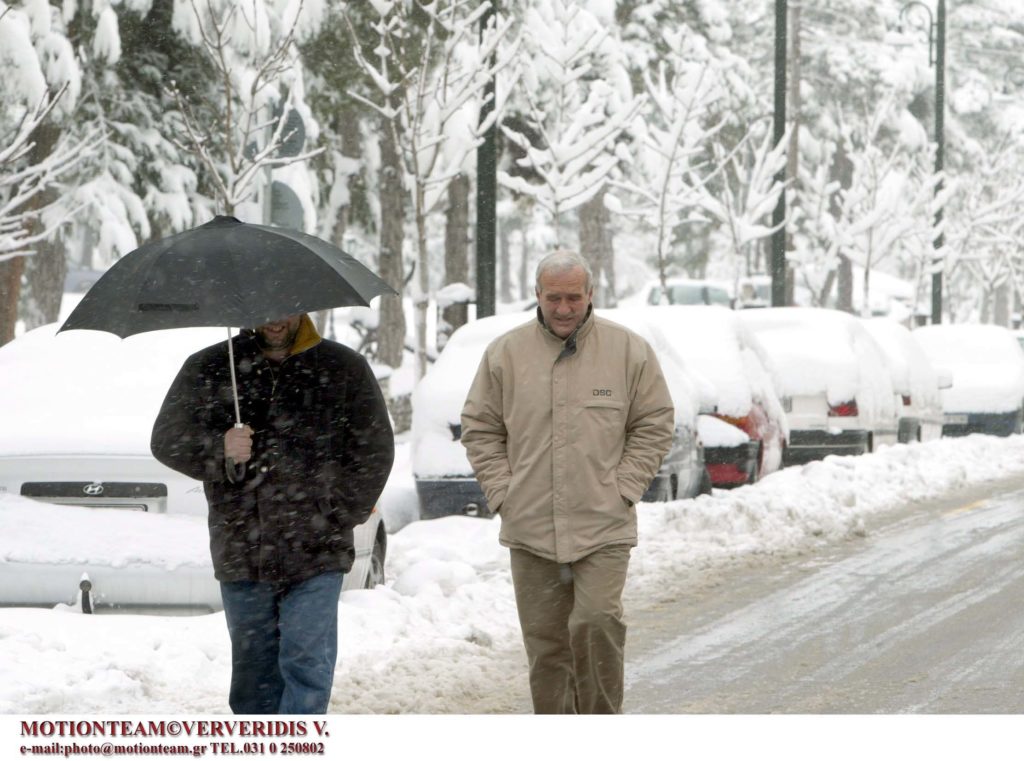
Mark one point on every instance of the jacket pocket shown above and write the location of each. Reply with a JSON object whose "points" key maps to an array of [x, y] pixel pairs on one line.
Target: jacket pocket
{"points": [[598, 405], [604, 418], [602, 435]]}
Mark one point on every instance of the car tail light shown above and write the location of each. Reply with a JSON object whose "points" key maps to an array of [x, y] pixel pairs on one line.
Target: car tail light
{"points": [[845, 409], [744, 423], [906, 400]]}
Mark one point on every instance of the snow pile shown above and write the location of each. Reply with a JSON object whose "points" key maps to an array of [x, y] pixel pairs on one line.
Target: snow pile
{"points": [[442, 636]]}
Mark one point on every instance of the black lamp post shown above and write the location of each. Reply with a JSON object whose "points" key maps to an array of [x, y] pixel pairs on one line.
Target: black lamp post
{"points": [[486, 199], [778, 261], [936, 58]]}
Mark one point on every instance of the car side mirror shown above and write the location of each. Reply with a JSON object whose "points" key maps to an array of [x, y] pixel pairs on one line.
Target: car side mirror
{"points": [[945, 378]]}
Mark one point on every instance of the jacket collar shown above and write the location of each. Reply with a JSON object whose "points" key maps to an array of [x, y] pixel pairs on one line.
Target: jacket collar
{"points": [[570, 342], [306, 338]]}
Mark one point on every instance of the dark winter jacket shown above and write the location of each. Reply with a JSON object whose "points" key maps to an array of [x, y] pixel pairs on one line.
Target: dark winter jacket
{"points": [[322, 451]]}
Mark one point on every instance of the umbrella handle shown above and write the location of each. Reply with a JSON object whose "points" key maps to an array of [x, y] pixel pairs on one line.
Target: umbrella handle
{"points": [[234, 381], [237, 468]]}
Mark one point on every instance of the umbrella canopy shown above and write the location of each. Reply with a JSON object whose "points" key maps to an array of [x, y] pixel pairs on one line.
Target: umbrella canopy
{"points": [[224, 273]]}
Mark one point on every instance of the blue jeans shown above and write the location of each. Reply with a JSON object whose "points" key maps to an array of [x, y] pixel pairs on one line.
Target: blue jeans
{"points": [[284, 644]]}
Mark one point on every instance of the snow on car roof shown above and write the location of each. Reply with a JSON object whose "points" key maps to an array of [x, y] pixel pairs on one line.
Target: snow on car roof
{"points": [[986, 362], [912, 372], [89, 392], [721, 348], [823, 350]]}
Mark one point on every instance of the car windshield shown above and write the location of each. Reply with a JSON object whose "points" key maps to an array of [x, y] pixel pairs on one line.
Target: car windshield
{"points": [[691, 293]]}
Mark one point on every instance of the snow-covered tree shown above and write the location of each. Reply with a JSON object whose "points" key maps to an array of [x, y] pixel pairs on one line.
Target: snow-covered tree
{"points": [[674, 137], [431, 67], [42, 83], [986, 226], [743, 201], [577, 102], [886, 204], [23, 180], [242, 134]]}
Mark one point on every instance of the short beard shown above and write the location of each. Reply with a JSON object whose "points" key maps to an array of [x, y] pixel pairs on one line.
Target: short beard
{"points": [[289, 340]]}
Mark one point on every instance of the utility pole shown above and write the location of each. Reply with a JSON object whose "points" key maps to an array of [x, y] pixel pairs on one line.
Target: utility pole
{"points": [[486, 197], [778, 264]]}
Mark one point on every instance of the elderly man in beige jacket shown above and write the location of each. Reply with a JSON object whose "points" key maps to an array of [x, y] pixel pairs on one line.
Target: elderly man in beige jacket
{"points": [[566, 423]]}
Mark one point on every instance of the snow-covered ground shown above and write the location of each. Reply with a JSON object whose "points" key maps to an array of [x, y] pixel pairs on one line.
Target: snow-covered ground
{"points": [[442, 635]]}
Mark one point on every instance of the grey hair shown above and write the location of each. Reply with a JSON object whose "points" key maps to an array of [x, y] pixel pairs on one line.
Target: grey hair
{"points": [[562, 260]]}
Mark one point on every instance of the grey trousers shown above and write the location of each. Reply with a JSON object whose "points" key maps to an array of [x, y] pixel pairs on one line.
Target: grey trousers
{"points": [[571, 617]]}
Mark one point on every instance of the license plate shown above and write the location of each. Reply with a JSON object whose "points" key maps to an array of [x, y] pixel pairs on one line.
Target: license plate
{"points": [[955, 419]]}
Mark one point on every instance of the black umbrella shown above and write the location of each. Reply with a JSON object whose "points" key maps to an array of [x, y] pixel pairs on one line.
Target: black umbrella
{"points": [[224, 273]]}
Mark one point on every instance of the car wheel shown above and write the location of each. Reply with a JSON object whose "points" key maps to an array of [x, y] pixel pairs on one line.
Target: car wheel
{"points": [[376, 574]]}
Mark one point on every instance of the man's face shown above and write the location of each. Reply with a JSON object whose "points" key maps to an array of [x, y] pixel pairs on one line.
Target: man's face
{"points": [[280, 334], [564, 300]]}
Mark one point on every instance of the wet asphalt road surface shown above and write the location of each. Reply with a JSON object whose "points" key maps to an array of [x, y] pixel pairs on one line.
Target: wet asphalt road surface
{"points": [[924, 614]]}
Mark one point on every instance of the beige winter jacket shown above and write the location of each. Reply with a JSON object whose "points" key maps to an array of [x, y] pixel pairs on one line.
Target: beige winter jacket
{"points": [[564, 436]]}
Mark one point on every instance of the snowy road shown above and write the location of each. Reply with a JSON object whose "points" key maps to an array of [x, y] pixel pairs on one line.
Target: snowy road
{"points": [[923, 615]]}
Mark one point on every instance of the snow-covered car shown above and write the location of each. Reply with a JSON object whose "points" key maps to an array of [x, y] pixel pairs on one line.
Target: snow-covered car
{"points": [[915, 381], [680, 290], [77, 409], [987, 368], [80, 279], [444, 478], [746, 435], [831, 377], [755, 292]]}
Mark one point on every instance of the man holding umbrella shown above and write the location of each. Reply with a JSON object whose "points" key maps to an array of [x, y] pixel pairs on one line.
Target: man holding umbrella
{"points": [[288, 432], [284, 491]]}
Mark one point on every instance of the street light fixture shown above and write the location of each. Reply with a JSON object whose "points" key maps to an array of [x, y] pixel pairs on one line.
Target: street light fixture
{"points": [[936, 26]]}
